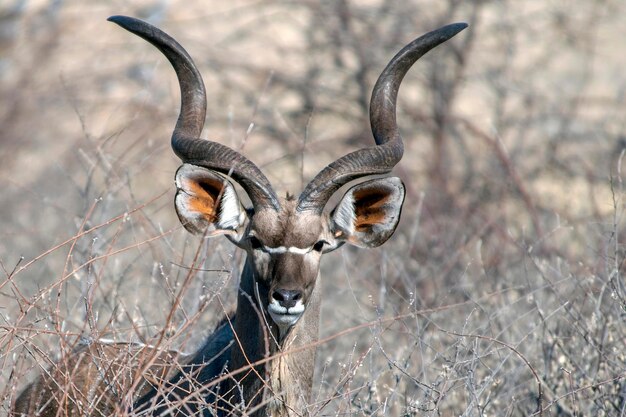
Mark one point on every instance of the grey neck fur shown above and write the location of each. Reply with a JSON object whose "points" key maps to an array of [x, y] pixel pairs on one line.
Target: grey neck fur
{"points": [[286, 379]]}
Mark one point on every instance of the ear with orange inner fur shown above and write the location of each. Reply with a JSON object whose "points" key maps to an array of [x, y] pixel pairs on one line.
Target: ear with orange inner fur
{"points": [[369, 212], [206, 202]]}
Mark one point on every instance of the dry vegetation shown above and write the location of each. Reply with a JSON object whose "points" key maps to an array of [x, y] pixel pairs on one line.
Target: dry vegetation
{"points": [[502, 291]]}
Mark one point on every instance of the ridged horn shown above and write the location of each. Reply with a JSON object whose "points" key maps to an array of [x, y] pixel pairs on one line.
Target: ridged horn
{"points": [[186, 141], [382, 158]]}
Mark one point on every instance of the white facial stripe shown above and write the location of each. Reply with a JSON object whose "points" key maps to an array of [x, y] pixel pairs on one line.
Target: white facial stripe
{"points": [[291, 249]]}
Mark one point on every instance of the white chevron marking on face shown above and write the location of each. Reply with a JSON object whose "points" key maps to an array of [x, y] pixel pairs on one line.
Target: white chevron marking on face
{"points": [[283, 249]]}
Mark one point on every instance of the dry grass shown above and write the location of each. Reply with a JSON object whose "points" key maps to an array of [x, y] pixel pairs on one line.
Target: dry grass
{"points": [[502, 291]]}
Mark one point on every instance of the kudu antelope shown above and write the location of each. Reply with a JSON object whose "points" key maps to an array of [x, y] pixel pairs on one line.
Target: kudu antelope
{"points": [[278, 305]]}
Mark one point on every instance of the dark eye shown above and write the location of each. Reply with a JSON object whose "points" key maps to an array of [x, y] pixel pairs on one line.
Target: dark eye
{"points": [[319, 246], [255, 243]]}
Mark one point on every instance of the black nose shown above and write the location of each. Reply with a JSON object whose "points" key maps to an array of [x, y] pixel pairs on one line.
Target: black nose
{"points": [[287, 298]]}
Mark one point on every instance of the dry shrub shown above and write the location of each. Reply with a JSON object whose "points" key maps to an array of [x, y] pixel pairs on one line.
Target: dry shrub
{"points": [[502, 291]]}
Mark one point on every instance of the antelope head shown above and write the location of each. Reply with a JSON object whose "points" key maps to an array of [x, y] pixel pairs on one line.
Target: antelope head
{"points": [[285, 237]]}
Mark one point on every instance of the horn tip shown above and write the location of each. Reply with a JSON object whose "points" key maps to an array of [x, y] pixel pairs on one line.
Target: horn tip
{"points": [[116, 18], [127, 22], [454, 28]]}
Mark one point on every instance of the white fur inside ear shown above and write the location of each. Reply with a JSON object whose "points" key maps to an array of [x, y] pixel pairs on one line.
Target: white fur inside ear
{"points": [[231, 212], [344, 216]]}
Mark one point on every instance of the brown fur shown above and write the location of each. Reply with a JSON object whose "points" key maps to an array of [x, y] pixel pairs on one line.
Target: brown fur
{"points": [[371, 209], [202, 199], [96, 380]]}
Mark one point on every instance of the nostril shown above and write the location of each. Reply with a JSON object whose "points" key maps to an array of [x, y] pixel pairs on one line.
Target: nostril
{"points": [[278, 295], [287, 298]]}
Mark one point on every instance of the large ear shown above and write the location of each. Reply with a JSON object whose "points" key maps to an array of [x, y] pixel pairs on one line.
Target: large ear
{"points": [[369, 212], [207, 202]]}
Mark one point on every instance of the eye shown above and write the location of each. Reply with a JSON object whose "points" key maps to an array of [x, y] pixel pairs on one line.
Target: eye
{"points": [[254, 242], [319, 245]]}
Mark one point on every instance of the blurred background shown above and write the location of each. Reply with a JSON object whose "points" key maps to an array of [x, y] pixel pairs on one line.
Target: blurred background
{"points": [[501, 292]]}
